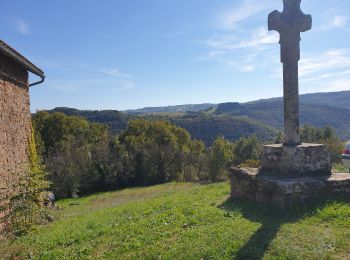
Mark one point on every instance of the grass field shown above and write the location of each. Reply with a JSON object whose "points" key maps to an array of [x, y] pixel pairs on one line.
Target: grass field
{"points": [[185, 221]]}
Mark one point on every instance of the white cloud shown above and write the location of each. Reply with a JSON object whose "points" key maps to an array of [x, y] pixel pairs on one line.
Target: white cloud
{"points": [[259, 38], [242, 48], [338, 85], [126, 85], [247, 68], [22, 27], [241, 53], [336, 21], [340, 21], [326, 71], [326, 76], [123, 81], [230, 19], [337, 59], [115, 73]]}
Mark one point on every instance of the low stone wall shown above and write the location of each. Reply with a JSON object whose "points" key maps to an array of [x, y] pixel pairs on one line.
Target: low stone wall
{"points": [[286, 193]]}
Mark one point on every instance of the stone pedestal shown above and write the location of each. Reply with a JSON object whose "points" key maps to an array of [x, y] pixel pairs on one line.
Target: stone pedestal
{"points": [[290, 176], [295, 161], [286, 192]]}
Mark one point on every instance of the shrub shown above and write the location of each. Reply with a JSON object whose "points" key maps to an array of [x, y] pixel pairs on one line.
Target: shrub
{"points": [[220, 156], [21, 205], [326, 136], [247, 148], [251, 164]]}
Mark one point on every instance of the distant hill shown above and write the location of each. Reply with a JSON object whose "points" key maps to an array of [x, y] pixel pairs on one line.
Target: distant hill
{"points": [[208, 127], [234, 120], [201, 125], [172, 109], [270, 112], [116, 120], [334, 99]]}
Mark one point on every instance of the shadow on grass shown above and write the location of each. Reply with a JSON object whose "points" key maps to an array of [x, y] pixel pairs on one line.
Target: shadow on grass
{"points": [[271, 219]]}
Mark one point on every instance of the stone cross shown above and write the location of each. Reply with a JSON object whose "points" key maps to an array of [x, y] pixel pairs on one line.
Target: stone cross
{"points": [[290, 23]]}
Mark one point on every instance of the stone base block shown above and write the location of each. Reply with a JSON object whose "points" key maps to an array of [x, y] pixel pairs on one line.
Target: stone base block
{"points": [[295, 161], [286, 193]]}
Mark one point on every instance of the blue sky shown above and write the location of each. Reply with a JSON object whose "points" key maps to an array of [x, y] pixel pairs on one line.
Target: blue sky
{"points": [[123, 54]]}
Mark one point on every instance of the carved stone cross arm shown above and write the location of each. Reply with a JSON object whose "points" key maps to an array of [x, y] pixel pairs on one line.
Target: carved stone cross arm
{"points": [[275, 21], [305, 24], [290, 23]]}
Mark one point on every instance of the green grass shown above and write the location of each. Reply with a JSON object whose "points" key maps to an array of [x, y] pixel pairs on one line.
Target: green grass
{"points": [[339, 168], [185, 221]]}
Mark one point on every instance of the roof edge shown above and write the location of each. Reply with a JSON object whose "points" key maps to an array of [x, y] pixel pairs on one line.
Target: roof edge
{"points": [[9, 51]]}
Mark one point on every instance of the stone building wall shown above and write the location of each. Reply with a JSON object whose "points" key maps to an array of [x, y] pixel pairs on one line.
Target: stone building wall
{"points": [[15, 120]]}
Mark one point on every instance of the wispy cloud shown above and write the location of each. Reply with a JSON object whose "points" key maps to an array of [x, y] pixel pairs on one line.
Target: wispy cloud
{"points": [[70, 85], [89, 77], [76, 85], [240, 52], [230, 19], [336, 21], [340, 21], [338, 85], [330, 61], [122, 81], [326, 71], [172, 35], [236, 44], [326, 76], [248, 68], [259, 38], [115, 73], [126, 85], [22, 26]]}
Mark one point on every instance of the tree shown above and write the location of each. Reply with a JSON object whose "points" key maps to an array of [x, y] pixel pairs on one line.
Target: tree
{"points": [[247, 149], [196, 162], [81, 157], [326, 136], [220, 156], [157, 150], [110, 169]]}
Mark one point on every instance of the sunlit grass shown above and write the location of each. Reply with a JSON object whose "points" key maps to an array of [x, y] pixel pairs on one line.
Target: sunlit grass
{"points": [[185, 221]]}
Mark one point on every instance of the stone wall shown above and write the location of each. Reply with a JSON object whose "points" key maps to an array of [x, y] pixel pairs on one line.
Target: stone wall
{"points": [[295, 161], [15, 120], [250, 184]]}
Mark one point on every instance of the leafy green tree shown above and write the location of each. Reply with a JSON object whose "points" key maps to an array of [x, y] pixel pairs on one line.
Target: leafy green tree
{"points": [[326, 136], [279, 138], [69, 164], [310, 134], [247, 149], [157, 150], [196, 162], [220, 156], [109, 168], [81, 157]]}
